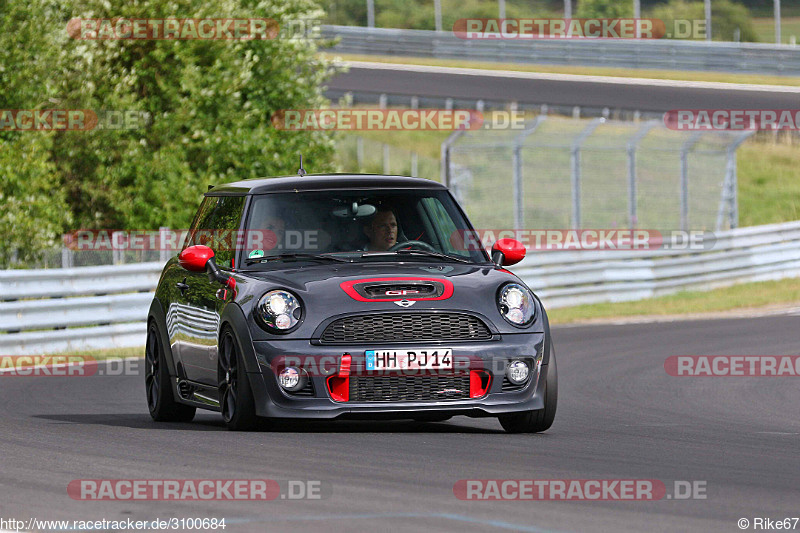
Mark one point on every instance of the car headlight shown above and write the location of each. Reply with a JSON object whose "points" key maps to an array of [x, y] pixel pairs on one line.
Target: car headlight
{"points": [[279, 310], [516, 304]]}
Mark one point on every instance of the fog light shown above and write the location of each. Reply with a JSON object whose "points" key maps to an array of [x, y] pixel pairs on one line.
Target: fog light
{"points": [[518, 372], [289, 378]]}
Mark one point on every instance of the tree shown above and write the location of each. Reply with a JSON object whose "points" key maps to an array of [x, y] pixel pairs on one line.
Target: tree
{"points": [[34, 209], [207, 106]]}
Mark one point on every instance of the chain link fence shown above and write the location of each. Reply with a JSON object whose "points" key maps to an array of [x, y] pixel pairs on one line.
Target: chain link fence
{"points": [[561, 173], [358, 154]]}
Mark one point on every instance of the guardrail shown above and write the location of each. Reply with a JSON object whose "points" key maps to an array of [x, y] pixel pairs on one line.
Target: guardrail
{"points": [[758, 253], [48, 311], [84, 308], [757, 58]]}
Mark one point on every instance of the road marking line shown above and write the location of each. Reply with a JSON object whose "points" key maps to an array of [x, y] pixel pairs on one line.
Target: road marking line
{"points": [[576, 78]]}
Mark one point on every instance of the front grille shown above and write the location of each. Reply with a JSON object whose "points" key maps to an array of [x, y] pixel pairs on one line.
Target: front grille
{"points": [[388, 327], [408, 388], [307, 391], [509, 387]]}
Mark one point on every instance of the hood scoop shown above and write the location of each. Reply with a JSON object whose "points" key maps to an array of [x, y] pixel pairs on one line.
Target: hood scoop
{"points": [[393, 289], [424, 289]]}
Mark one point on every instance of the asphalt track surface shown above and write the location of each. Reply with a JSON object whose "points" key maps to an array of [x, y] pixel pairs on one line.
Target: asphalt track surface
{"points": [[558, 89], [620, 416]]}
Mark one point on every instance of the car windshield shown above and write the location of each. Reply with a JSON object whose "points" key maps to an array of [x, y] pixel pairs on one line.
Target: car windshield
{"points": [[358, 226]]}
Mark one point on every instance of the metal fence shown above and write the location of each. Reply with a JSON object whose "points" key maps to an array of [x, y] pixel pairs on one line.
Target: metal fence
{"points": [[668, 54], [560, 173], [358, 154], [48, 311], [756, 253]]}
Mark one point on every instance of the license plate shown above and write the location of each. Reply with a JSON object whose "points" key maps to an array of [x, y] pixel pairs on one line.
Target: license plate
{"points": [[428, 359]]}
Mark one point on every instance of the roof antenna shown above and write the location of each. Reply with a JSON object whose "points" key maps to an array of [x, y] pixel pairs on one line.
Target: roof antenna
{"points": [[301, 171]]}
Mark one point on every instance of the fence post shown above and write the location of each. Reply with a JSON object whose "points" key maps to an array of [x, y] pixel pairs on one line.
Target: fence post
{"points": [[684, 183], [163, 253], [516, 169], [516, 164], [360, 153], [414, 165], [444, 171], [370, 13], [633, 144], [730, 194], [66, 258], [575, 167], [117, 254], [386, 158]]}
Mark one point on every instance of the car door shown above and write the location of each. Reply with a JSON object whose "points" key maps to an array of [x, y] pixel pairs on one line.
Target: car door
{"points": [[198, 318]]}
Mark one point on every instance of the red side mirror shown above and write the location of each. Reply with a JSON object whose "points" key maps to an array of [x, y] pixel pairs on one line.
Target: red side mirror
{"points": [[195, 258], [508, 252]]}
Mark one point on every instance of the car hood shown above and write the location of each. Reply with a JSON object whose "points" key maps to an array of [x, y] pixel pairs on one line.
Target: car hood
{"points": [[320, 288]]}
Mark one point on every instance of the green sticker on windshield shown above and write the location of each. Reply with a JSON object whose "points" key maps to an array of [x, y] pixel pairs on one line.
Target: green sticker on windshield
{"points": [[255, 254]]}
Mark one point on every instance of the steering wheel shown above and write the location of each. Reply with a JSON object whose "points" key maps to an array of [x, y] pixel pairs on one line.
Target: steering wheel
{"points": [[408, 244]]}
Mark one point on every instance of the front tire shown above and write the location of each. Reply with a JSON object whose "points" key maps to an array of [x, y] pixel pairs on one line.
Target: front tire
{"points": [[236, 397], [540, 419], [160, 401]]}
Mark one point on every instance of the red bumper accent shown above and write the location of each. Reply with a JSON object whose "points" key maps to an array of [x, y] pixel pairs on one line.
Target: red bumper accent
{"points": [[480, 382]]}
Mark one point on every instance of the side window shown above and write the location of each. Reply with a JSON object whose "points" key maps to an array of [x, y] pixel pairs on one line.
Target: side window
{"points": [[206, 207], [442, 222], [216, 226]]}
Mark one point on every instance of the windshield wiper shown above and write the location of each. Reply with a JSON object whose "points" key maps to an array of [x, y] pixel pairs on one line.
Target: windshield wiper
{"points": [[418, 252], [281, 257]]}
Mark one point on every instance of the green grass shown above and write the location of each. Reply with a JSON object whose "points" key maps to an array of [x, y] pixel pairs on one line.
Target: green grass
{"points": [[112, 353], [769, 183], [765, 27], [768, 177], [757, 79], [743, 296]]}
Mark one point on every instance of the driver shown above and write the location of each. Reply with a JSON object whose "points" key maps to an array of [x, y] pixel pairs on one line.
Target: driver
{"points": [[381, 230]]}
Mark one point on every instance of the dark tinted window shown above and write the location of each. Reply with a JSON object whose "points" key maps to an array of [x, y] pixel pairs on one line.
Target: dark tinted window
{"points": [[216, 225], [352, 222]]}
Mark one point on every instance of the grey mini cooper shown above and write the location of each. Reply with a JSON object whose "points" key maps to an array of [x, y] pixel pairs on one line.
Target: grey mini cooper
{"points": [[345, 296]]}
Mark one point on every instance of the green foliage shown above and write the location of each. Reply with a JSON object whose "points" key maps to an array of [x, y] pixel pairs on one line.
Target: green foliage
{"points": [[594, 9], [726, 16], [209, 105], [419, 14]]}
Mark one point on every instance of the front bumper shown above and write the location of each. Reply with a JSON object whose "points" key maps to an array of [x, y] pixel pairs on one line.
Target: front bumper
{"points": [[490, 356]]}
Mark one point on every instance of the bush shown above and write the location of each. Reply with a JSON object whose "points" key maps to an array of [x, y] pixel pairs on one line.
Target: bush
{"points": [[595, 9], [726, 16]]}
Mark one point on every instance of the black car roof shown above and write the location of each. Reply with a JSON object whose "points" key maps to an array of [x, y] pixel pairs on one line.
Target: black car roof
{"points": [[322, 182]]}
